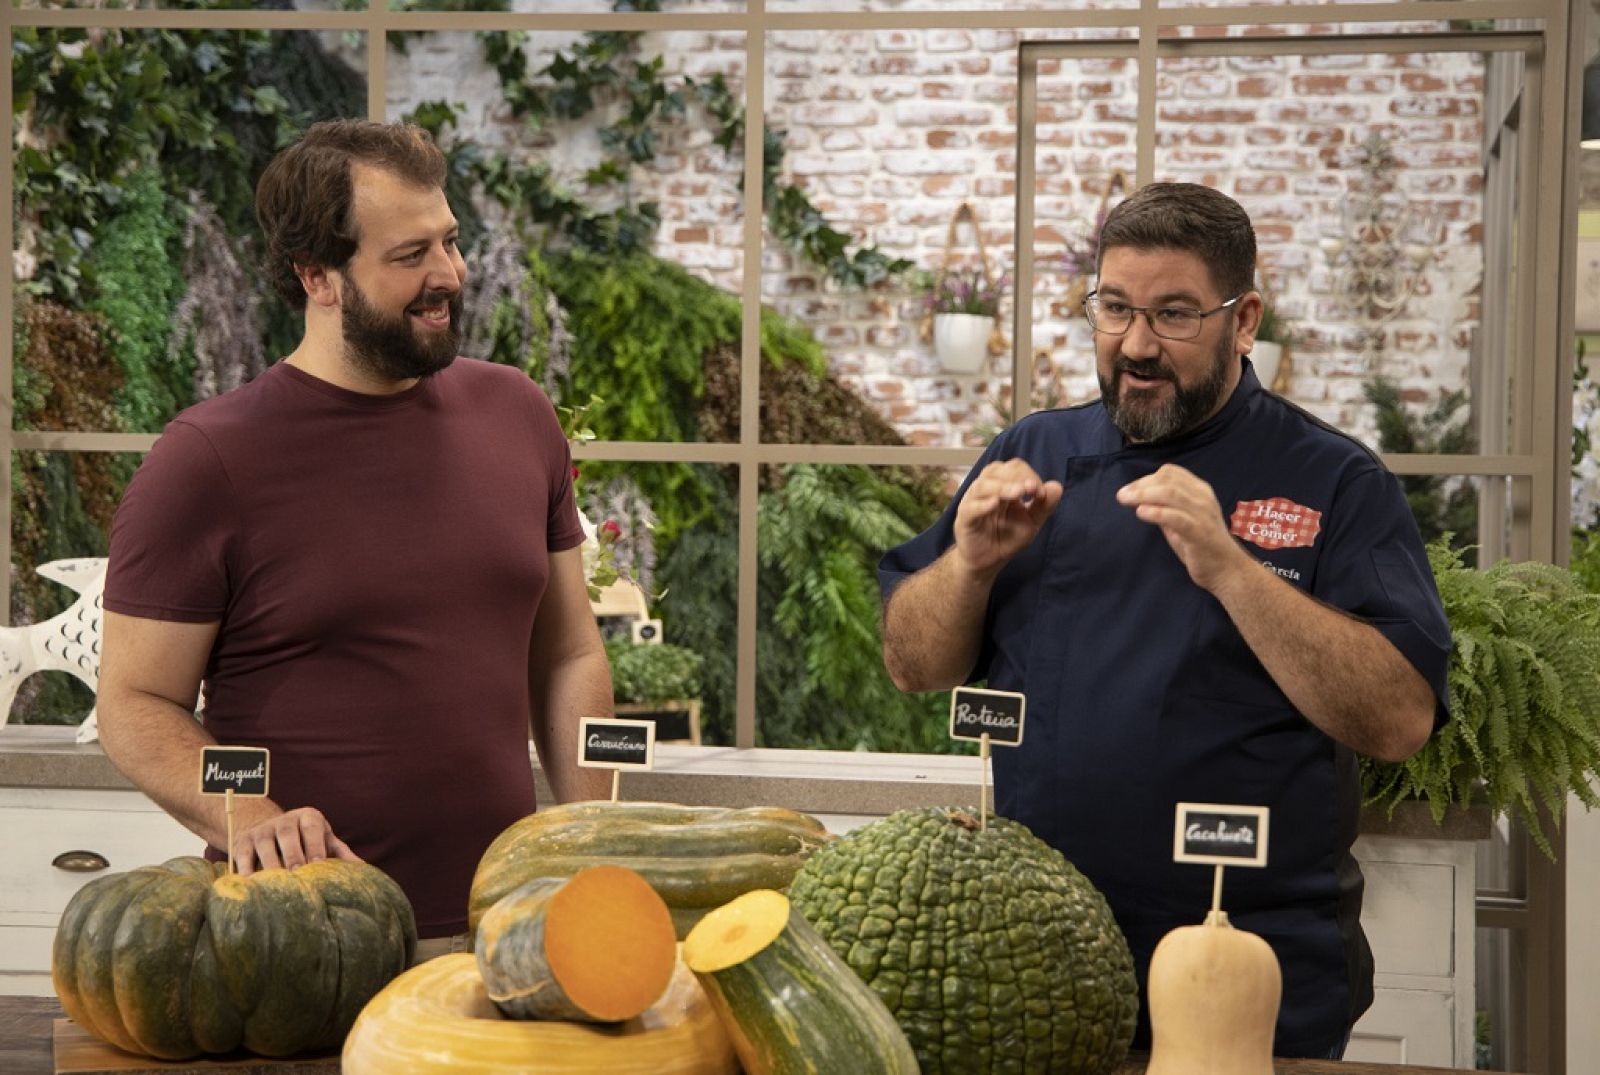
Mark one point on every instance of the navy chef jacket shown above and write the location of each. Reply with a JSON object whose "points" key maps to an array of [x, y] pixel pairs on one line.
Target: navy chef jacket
{"points": [[1141, 692]]}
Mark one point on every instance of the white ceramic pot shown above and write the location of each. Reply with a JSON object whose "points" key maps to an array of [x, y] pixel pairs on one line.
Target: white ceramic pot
{"points": [[961, 341], [1266, 358]]}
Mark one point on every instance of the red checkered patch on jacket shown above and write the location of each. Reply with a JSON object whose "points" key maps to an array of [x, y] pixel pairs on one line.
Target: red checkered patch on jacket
{"points": [[1276, 523]]}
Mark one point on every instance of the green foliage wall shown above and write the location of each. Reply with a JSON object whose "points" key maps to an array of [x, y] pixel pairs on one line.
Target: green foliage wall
{"points": [[114, 131], [659, 347], [1441, 506]]}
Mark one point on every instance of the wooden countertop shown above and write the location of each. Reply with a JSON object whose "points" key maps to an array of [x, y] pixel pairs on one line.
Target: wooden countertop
{"points": [[25, 1024]]}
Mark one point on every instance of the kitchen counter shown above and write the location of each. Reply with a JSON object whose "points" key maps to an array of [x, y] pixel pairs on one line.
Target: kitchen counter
{"points": [[25, 1050], [824, 782]]}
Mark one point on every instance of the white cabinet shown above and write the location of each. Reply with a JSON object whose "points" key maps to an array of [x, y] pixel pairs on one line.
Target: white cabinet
{"points": [[39, 824], [1419, 917]]}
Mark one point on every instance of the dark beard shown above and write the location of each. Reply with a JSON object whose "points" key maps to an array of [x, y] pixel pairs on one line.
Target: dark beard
{"points": [[1143, 422], [391, 348]]}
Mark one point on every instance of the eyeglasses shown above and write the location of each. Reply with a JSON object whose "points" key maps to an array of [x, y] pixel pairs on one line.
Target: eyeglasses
{"points": [[1114, 317]]}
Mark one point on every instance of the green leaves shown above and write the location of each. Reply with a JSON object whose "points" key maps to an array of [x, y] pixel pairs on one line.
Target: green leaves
{"points": [[660, 672], [1524, 729], [604, 68]]}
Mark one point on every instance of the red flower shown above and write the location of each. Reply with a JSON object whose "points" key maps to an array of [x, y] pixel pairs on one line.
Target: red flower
{"points": [[611, 529], [574, 472]]}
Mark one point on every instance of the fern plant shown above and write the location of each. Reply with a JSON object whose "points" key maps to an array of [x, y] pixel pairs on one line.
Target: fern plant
{"points": [[1524, 728]]}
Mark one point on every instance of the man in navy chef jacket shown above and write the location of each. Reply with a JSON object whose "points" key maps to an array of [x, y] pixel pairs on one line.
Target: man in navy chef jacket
{"points": [[1206, 594]]}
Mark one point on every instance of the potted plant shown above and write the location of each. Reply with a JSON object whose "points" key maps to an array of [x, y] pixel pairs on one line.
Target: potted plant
{"points": [[1524, 726], [1272, 340], [660, 682], [964, 306]]}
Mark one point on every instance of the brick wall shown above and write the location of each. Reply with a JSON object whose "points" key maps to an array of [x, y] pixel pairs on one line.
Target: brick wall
{"points": [[890, 131]]}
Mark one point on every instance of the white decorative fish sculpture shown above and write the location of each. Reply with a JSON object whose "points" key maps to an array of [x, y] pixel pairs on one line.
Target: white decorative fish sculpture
{"points": [[69, 642]]}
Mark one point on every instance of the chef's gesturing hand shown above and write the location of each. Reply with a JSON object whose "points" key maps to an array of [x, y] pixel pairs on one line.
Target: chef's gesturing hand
{"points": [[1000, 514], [1186, 509]]}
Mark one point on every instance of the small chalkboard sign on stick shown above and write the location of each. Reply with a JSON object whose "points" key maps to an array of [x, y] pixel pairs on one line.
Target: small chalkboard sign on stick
{"points": [[616, 744], [1220, 835], [984, 717], [230, 771]]}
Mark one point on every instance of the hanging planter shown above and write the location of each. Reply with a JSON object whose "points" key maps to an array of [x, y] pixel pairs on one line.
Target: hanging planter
{"points": [[962, 341], [963, 306]]}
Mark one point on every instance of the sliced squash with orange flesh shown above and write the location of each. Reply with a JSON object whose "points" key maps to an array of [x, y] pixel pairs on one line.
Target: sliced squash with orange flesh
{"points": [[597, 947], [436, 1019], [790, 1004]]}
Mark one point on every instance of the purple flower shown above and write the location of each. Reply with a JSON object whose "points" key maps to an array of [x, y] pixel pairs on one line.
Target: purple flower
{"points": [[965, 291]]}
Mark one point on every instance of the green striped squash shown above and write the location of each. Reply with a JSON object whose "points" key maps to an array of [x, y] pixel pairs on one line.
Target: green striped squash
{"points": [[789, 1003], [696, 857]]}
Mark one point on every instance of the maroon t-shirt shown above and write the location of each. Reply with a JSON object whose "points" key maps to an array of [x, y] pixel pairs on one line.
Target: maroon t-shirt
{"points": [[375, 563]]}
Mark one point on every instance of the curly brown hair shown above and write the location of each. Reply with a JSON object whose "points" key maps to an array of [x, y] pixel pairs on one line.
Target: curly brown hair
{"points": [[305, 196], [1191, 218]]}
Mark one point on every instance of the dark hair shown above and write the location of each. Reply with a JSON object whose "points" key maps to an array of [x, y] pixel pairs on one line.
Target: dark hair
{"points": [[1191, 218], [305, 196]]}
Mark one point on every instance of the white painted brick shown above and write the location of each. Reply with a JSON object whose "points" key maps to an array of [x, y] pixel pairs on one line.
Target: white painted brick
{"points": [[936, 114]]}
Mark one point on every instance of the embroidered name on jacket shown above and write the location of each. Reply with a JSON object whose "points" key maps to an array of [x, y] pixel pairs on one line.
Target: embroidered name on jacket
{"points": [[1277, 523]]}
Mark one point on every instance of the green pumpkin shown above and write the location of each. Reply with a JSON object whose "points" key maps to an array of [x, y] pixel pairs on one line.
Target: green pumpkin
{"points": [[993, 952], [696, 857], [184, 958]]}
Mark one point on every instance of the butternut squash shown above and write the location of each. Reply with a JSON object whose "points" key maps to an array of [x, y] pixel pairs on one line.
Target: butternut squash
{"points": [[436, 1019], [597, 947], [1214, 993]]}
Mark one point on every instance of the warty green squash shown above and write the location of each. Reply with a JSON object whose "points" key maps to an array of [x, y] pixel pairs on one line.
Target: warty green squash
{"points": [[992, 951], [696, 857], [184, 958]]}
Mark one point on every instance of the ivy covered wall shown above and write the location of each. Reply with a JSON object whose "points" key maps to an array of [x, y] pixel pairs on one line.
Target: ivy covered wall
{"points": [[887, 132]]}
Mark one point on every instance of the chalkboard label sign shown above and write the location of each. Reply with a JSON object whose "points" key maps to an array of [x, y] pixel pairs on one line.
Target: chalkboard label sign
{"points": [[1219, 835], [617, 744], [975, 713], [241, 770]]}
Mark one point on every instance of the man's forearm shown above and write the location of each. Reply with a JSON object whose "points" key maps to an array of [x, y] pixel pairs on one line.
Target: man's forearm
{"points": [[1342, 674], [576, 688], [933, 626], [156, 745]]}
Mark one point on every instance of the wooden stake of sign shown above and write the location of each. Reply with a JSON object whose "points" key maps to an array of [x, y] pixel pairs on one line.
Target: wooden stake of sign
{"points": [[616, 784], [983, 787], [1216, 889], [227, 804]]}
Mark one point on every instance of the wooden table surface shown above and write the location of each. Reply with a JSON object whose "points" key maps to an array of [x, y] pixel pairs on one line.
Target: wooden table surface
{"points": [[25, 1049]]}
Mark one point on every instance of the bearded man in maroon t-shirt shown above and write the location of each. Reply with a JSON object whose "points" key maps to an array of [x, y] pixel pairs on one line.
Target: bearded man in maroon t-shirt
{"points": [[369, 557]]}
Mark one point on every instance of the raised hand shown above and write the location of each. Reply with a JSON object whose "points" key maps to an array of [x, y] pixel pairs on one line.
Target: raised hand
{"points": [[1185, 507], [1001, 513]]}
